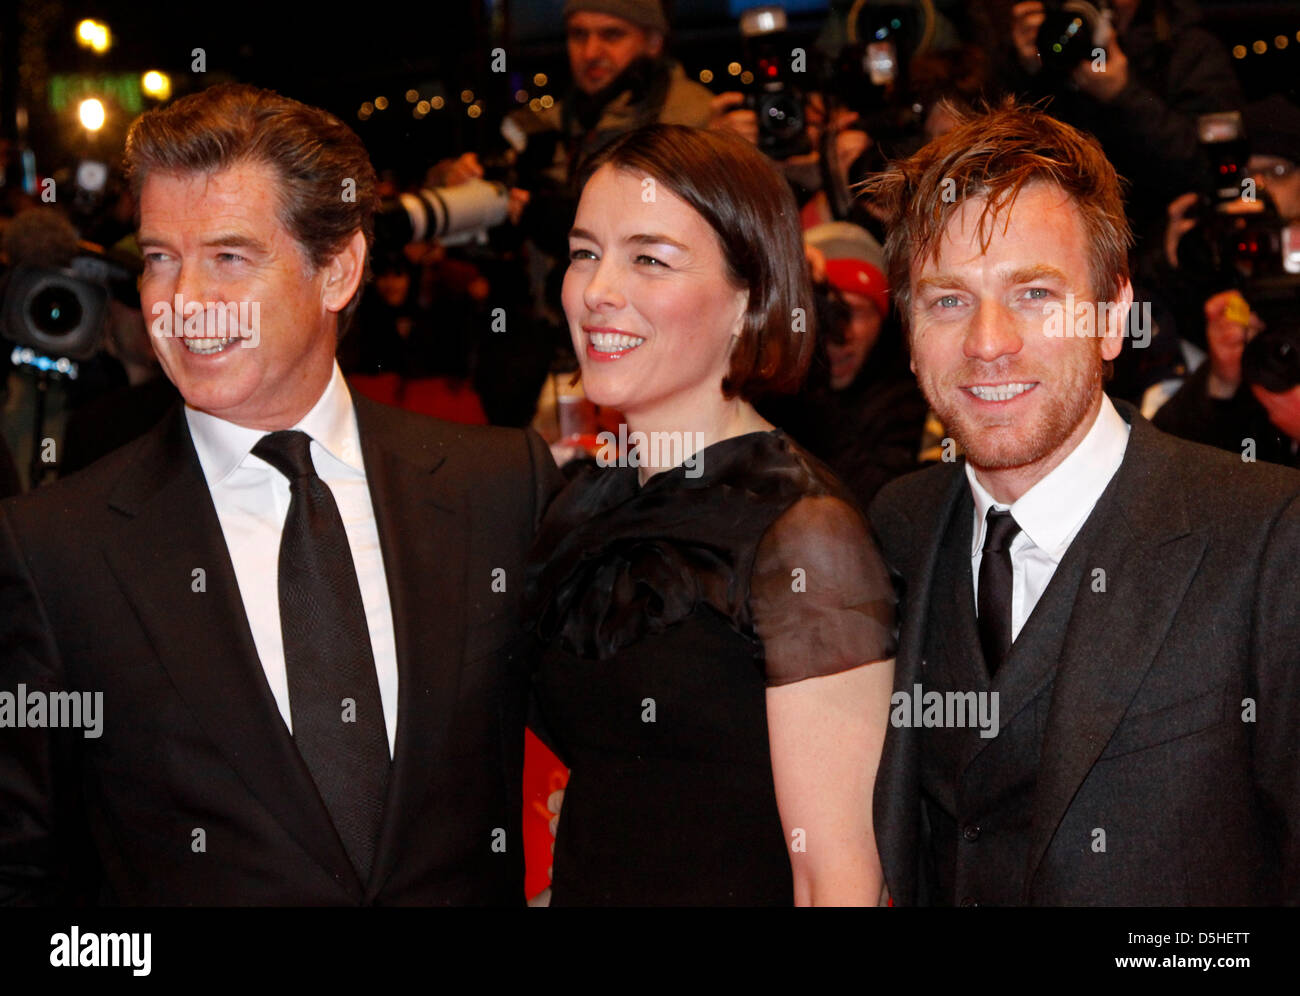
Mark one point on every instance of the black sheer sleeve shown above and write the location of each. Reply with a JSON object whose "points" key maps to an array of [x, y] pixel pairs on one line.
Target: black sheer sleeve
{"points": [[821, 597]]}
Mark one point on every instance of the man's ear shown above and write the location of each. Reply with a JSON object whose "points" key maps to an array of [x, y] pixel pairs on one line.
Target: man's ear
{"points": [[343, 273], [654, 44], [1117, 322]]}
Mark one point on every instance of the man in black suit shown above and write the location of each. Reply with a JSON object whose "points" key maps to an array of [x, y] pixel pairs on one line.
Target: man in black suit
{"points": [[1098, 680], [298, 610]]}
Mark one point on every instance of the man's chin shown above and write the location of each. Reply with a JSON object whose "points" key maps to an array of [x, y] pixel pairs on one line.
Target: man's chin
{"points": [[999, 448]]}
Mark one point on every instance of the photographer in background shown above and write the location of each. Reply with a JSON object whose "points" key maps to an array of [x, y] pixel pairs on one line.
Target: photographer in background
{"points": [[1156, 71], [621, 80], [1247, 388], [1218, 406]]}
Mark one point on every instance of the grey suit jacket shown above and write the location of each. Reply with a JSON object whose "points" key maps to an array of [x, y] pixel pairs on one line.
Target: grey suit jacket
{"points": [[1174, 721]]}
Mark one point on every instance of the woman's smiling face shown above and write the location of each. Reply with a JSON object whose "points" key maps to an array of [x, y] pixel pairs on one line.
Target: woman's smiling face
{"points": [[651, 306]]}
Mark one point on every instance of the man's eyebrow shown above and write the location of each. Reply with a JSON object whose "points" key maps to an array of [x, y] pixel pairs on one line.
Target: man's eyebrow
{"points": [[1020, 275], [235, 241], [643, 239], [1039, 271], [230, 239], [940, 281]]}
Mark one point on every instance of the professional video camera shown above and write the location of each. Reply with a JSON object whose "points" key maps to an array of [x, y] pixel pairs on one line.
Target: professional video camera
{"points": [[56, 316], [54, 306]]}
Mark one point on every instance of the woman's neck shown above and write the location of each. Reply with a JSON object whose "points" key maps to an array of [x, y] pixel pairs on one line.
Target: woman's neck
{"points": [[667, 439]]}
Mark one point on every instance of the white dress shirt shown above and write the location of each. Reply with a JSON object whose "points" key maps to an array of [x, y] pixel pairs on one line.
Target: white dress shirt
{"points": [[252, 500], [1052, 512]]}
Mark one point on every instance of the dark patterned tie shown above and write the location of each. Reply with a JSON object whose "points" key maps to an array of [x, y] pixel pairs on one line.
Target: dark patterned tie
{"points": [[338, 719], [995, 588]]}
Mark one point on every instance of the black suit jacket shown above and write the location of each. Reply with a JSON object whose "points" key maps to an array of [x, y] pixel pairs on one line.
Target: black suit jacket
{"points": [[1147, 735], [118, 580]]}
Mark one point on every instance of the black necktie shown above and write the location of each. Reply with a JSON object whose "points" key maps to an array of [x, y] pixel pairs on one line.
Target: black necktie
{"points": [[995, 588], [338, 720]]}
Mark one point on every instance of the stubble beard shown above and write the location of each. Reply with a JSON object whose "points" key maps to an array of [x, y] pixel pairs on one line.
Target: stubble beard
{"points": [[1002, 445]]}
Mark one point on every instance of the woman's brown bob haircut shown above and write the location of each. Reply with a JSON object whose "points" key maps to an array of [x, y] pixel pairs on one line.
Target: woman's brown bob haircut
{"points": [[751, 208], [327, 185], [993, 155]]}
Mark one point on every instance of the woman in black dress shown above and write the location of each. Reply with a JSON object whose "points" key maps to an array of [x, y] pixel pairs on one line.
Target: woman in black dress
{"points": [[719, 624]]}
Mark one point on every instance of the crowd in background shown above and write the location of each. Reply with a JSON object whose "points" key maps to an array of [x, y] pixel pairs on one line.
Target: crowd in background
{"points": [[471, 329]]}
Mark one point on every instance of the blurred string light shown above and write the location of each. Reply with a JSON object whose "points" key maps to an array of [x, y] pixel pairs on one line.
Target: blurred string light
{"points": [[1260, 47], [467, 96], [475, 109], [156, 85], [747, 77], [412, 96], [94, 35], [733, 68], [381, 103], [436, 103], [539, 79], [521, 96], [706, 75], [91, 114], [547, 100]]}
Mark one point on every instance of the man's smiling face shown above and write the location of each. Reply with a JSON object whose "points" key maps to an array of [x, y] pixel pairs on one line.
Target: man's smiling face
{"points": [[1014, 396], [218, 238]]}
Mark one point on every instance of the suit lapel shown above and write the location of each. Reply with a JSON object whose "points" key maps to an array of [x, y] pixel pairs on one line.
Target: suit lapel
{"points": [[897, 799], [202, 637], [423, 533], [1149, 555]]}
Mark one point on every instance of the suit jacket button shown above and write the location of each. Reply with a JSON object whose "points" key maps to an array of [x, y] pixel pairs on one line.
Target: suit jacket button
{"points": [[971, 832]]}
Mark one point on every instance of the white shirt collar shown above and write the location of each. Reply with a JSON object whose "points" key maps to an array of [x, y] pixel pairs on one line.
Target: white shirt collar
{"points": [[332, 423], [1052, 511]]}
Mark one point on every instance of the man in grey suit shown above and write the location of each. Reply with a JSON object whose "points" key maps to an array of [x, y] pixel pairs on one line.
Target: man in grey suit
{"points": [[1098, 682]]}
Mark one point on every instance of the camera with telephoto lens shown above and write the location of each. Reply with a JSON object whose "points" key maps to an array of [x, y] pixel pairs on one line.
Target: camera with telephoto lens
{"points": [[454, 215]]}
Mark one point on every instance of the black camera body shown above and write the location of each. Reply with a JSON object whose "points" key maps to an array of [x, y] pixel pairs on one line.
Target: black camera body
{"points": [[1069, 35], [1247, 245], [774, 97], [61, 312]]}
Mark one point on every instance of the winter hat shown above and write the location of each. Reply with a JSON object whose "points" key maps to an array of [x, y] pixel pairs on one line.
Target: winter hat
{"points": [[855, 263]]}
